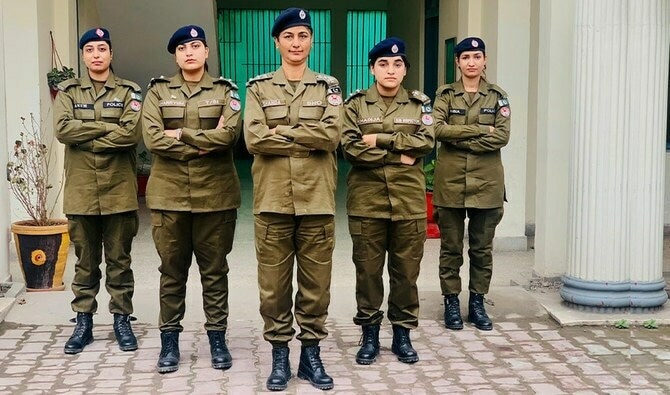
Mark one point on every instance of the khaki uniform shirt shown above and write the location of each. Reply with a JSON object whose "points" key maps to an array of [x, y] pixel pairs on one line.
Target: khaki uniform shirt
{"points": [[98, 130], [197, 172], [469, 171], [294, 169], [379, 185]]}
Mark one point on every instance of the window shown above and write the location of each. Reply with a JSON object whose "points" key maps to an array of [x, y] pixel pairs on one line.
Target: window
{"points": [[365, 29]]}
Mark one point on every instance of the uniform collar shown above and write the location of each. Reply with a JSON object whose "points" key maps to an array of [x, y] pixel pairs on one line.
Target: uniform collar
{"points": [[279, 78], [459, 89], [372, 95], [206, 82], [87, 83]]}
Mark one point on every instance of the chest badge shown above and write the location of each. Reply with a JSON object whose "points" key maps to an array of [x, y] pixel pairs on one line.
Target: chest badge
{"points": [[334, 99], [427, 119]]}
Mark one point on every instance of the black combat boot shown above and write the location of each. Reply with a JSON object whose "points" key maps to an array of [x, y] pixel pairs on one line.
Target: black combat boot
{"points": [[311, 368], [281, 369], [221, 358], [168, 360], [124, 332], [402, 345], [452, 312], [477, 315], [369, 345], [82, 335]]}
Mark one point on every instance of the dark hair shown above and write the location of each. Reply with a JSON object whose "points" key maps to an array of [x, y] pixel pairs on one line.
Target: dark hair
{"points": [[403, 57]]}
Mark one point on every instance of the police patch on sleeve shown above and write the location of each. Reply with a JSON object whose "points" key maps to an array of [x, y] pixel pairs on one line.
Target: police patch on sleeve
{"points": [[136, 96], [334, 99], [235, 105], [505, 112], [427, 119], [135, 105]]}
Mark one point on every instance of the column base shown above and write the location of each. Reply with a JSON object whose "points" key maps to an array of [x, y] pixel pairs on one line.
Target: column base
{"points": [[608, 296]]}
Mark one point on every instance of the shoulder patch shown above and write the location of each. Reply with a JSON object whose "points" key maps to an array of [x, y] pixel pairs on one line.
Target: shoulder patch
{"points": [[332, 82], [227, 81], [257, 78], [156, 80], [64, 85], [130, 84], [444, 89], [357, 92], [420, 96]]}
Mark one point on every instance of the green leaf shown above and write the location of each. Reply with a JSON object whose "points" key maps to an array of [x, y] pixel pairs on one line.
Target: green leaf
{"points": [[622, 324], [650, 324]]}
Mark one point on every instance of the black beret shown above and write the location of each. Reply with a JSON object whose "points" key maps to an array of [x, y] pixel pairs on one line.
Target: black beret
{"points": [[392, 46], [291, 17], [96, 34], [470, 44], [185, 34]]}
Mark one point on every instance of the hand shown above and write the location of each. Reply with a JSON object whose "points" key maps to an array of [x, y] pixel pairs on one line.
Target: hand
{"points": [[221, 122], [370, 139], [407, 160], [273, 130], [491, 129], [171, 133], [202, 152]]}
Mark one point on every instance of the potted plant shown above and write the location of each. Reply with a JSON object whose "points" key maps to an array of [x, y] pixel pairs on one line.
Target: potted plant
{"points": [[41, 242], [59, 72], [56, 76], [143, 169], [432, 230]]}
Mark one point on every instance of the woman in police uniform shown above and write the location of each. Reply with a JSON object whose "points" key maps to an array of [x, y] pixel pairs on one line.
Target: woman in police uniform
{"points": [[472, 121], [95, 118], [191, 122], [387, 131], [292, 124]]}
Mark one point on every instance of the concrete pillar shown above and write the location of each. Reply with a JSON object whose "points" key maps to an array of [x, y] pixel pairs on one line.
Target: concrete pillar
{"points": [[618, 155], [550, 109], [5, 235]]}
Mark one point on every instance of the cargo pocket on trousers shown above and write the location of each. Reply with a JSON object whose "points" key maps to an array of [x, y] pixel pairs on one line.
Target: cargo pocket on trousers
{"points": [[359, 250]]}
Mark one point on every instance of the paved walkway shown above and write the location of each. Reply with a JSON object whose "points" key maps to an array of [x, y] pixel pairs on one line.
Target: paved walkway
{"points": [[516, 357]]}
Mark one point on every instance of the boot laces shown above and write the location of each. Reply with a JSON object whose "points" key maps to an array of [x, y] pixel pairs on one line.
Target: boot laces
{"points": [[367, 337], [315, 360], [123, 326], [170, 344], [453, 308], [279, 360], [79, 329]]}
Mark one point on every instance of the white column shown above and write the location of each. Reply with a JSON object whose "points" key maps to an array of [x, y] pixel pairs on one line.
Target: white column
{"points": [[4, 196], [551, 106], [618, 154]]}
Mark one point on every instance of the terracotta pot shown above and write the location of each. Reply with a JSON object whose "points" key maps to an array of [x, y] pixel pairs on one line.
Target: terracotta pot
{"points": [[42, 252]]}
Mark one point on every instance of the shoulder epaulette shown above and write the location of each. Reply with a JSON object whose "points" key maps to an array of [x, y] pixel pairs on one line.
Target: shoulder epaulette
{"points": [[420, 96], [156, 80], [62, 86], [498, 89], [444, 88], [330, 80], [357, 92], [130, 84], [227, 81], [257, 78]]}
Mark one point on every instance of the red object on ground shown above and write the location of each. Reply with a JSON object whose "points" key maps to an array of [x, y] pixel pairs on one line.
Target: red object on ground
{"points": [[432, 230]]}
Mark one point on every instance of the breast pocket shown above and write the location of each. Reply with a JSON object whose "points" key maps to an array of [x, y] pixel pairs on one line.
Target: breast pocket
{"points": [[276, 115], [173, 117], [210, 114], [312, 111], [84, 114], [406, 126], [456, 119], [111, 115], [487, 119]]}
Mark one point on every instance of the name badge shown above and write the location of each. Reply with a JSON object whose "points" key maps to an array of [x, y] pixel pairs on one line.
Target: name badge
{"points": [[211, 102], [365, 121], [273, 102], [172, 103], [487, 111], [83, 106], [457, 111], [406, 121], [112, 104]]}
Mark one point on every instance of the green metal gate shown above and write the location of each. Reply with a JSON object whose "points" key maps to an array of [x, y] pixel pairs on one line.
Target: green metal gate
{"points": [[365, 29]]}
